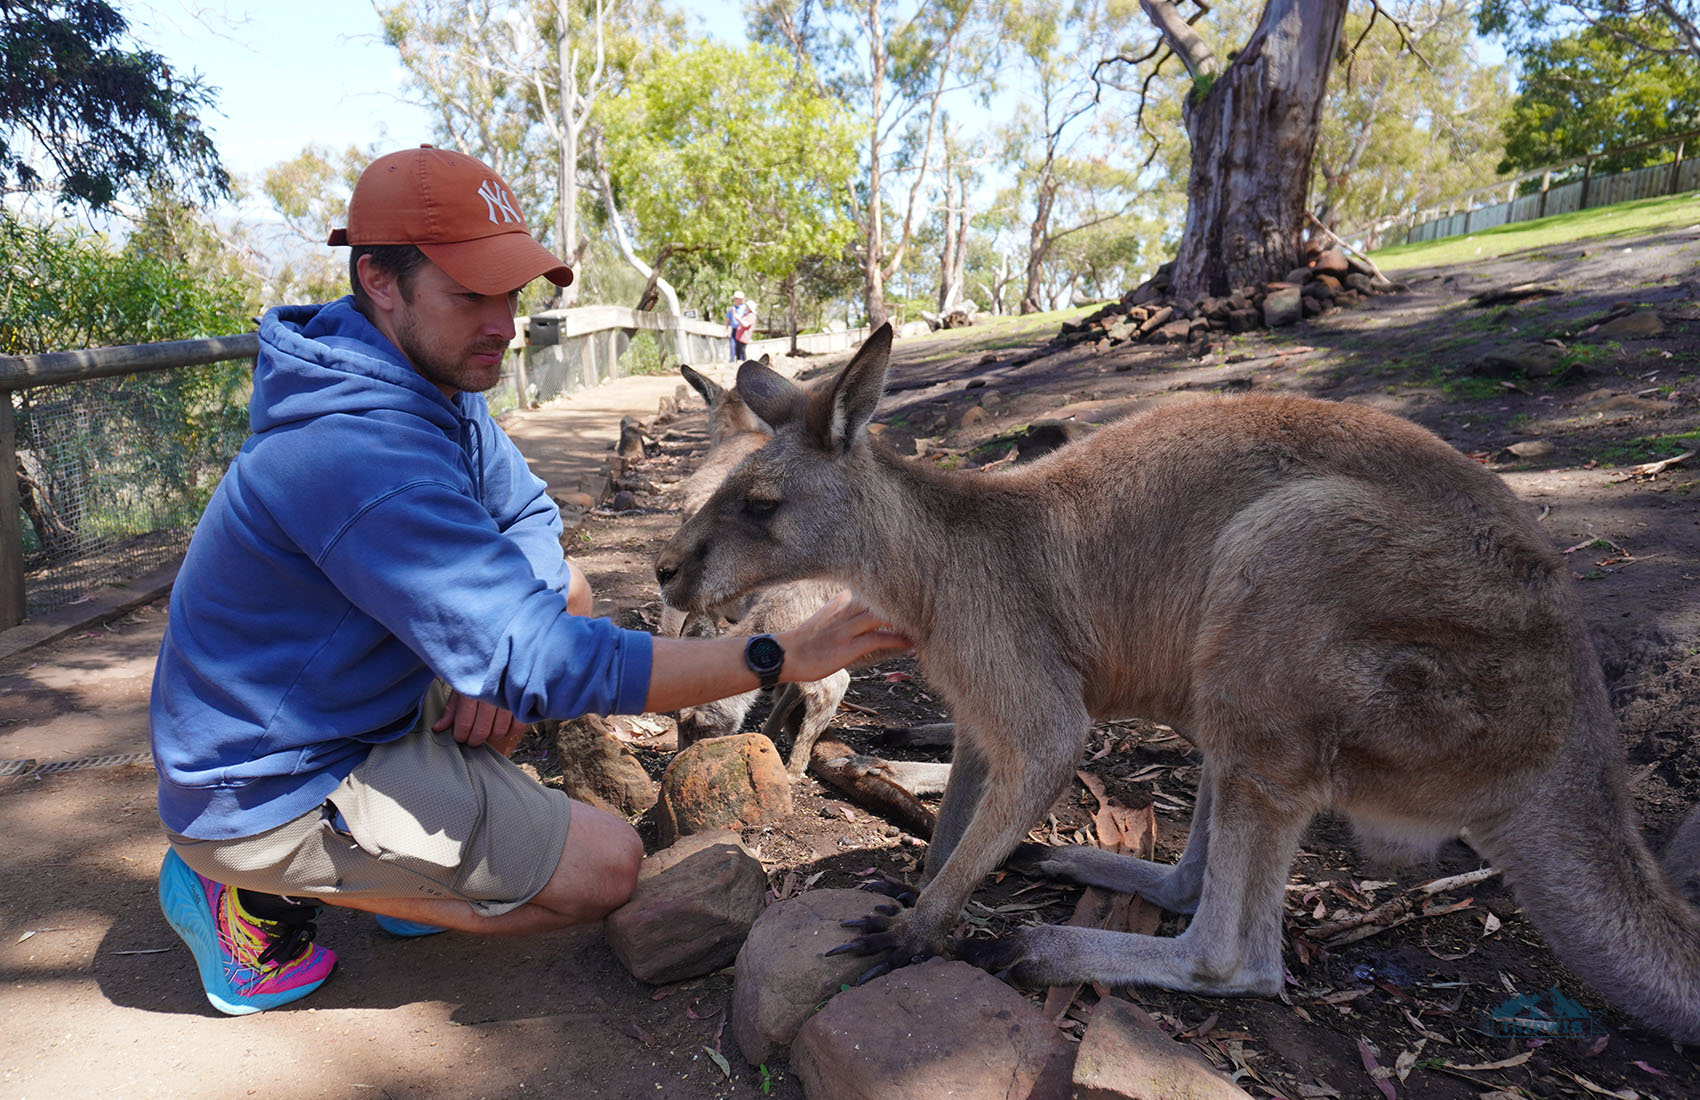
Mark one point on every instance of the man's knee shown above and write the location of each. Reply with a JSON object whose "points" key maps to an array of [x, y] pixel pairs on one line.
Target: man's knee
{"points": [[599, 867], [580, 600]]}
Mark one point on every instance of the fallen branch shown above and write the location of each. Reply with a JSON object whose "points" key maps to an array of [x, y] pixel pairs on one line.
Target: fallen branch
{"points": [[1396, 912], [1654, 469], [871, 782], [1335, 237]]}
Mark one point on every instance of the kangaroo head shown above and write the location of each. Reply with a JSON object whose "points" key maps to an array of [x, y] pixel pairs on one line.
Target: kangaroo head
{"points": [[728, 415], [787, 511]]}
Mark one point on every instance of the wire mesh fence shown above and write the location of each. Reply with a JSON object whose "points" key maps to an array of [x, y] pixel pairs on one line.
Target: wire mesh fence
{"points": [[114, 472]]}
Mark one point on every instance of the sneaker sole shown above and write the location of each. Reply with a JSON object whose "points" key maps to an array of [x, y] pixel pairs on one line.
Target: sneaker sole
{"points": [[183, 902]]}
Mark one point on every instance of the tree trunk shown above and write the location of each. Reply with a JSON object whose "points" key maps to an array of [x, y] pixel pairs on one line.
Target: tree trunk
{"points": [[791, 300], [873, 278], [1253, 131], [1038, 242]]}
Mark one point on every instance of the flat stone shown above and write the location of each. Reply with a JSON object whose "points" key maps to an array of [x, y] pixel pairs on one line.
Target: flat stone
{"points": [[720, 783], [1333, 262], [597, 769], [783, 973], [1635, 326], [1532, 448], [934, 1029], [1283, 307], [694, 904], [1126, 1056]]}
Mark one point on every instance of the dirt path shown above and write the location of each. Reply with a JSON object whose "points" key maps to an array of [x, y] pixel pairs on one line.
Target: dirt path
{"points": [[99, 998]]}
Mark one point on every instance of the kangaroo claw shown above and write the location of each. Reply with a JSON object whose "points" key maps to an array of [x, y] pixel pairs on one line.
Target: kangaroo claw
{"points": [[893, 888]]}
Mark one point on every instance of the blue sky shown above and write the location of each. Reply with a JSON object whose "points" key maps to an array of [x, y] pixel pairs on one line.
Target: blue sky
{"points": [[305, 71]]}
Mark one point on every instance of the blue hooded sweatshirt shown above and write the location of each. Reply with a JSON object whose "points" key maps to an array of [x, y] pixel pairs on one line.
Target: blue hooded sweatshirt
{"points": [[372, 533]]}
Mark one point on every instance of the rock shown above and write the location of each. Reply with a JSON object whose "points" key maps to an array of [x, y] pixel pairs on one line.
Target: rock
{"points": [[1243, 320], [582, 502], [1299, 276], [624, 501], [1332, 262], [1044, 436], [1312, 306], [991, 400], [598, 769], [783, 973], [1158, 319], [630, 446], [1333, 284], [1360, 282], [972, 416], [1175, 332], [1282, 307], [1532, 448], [1122, 331], [720, 783], [1126, 1056], [1635, 326], [1320, 290], [933, 1029], [694, 904], [1198, 328], [1532, 360]]}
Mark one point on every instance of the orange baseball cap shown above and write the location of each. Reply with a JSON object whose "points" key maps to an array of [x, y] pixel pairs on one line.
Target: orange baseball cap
{"points": [[459, 213]]}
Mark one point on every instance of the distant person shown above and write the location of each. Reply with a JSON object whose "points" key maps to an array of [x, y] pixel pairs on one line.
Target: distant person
{"points": [[375, 605], [740, 322]]}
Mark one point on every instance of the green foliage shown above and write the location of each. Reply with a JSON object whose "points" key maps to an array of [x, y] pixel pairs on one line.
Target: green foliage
{"points": [[165, 434], [732, 159], [1596, 89], [109, 117], [1398, 131]]}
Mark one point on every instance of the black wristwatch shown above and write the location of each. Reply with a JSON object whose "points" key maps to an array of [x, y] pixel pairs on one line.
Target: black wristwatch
{"points": [[766, 657]]}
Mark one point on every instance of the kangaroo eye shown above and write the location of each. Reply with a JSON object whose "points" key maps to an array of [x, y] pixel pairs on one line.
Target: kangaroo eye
{"points": [[759, 508]]}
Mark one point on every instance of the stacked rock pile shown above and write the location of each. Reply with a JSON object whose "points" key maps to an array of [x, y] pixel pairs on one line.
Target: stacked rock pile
{"points": [[1151, 314]]}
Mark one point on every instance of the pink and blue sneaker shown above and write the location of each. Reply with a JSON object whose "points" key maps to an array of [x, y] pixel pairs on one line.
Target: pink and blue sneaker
{"points": [[247, 963]]}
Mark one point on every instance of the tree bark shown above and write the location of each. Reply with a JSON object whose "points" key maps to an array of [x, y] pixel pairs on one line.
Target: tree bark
{"points": [[1253, 128], [873, 277]]}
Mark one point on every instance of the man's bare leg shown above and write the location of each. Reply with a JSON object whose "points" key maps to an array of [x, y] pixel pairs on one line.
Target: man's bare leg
{"points": [[596, 874]]}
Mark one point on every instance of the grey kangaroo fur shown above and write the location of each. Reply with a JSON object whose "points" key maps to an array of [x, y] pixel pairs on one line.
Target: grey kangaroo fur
{"points": [[1338, 609], [801, 711]]}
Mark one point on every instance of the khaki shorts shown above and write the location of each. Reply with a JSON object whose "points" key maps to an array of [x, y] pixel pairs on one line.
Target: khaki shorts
{"points": [[422, 817]]}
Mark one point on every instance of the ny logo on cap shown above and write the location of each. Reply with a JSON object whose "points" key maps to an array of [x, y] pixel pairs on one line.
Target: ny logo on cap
{"points": [[496, 199]]}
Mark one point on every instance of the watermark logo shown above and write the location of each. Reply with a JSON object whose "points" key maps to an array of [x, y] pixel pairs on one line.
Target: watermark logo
{"points": [[1549, 1015]]}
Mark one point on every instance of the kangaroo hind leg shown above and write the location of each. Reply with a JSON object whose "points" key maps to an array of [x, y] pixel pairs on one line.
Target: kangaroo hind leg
{"points": [[1175, 888], [1232, 947]]}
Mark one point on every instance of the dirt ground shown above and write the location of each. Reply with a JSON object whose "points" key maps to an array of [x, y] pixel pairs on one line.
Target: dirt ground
{"points": [[98, 997]]}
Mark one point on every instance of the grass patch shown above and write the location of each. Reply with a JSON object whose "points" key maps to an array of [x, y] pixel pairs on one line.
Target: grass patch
{"points": [[1649, 448], [1599, 223]]}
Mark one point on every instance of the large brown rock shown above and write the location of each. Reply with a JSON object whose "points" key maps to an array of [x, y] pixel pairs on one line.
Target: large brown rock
{"points": [[934, 1029], [598, 769], [720, 783], [783, 971], [1126, 1056], [694, 904], [1283, 306]]}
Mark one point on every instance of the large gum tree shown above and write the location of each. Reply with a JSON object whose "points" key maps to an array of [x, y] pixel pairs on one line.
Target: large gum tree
{"points": [[1253, 120]]}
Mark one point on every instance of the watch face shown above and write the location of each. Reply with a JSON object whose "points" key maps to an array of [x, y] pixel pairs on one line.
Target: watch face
{"points": [[765, 654]]}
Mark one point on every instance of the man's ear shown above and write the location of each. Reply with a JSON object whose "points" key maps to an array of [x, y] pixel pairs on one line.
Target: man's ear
{"points": [[381, 285]]}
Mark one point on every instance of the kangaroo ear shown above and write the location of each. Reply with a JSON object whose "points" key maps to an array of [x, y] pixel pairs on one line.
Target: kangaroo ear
{"points": [[769, 395], [766, 360], [701, 383], [840, 415]]}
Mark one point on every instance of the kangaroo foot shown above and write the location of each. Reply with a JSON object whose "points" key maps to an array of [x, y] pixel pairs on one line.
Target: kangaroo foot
{"points": [[1006, 958], [891, 936]]}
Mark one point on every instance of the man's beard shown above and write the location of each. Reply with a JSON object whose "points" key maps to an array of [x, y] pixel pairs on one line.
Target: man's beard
{"points": [[448, 367]]}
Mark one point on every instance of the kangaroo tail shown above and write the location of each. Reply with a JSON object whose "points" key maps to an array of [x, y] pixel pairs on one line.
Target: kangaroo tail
{"points": [[1578, 867]]}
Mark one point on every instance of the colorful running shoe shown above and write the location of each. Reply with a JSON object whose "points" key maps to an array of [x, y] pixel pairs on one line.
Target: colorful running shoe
{"points": [[395, 926], [247, 964]]}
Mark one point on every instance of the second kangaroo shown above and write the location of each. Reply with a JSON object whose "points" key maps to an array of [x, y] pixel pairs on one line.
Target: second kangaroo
{"points": [[1337, 608]]}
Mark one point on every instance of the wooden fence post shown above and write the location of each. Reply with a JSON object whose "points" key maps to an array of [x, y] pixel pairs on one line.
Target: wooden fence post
{"points": [[1587, 182], [11, 528], [1675, 171]]}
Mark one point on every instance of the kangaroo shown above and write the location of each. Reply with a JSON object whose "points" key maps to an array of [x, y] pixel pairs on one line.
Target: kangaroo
{"points": [[1338, 609], [800, 710]]}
